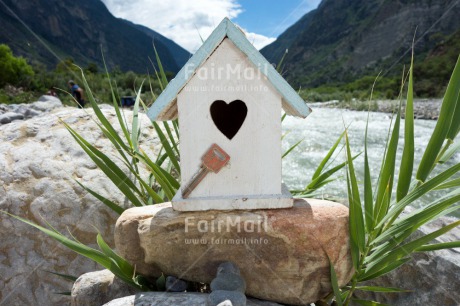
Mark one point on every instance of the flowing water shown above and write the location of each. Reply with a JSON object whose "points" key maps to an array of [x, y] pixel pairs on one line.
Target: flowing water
{"points": [[323, 127]]}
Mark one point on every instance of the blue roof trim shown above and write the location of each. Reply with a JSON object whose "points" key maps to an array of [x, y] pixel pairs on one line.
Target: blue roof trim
{"points": [[164, 108]]}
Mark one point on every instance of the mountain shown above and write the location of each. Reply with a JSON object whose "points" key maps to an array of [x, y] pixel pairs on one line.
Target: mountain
{"points": [[343, 40], [45, 31], [181, 55]]}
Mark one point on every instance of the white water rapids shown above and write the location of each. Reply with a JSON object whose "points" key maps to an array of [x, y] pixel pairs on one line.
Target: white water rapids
{"points": [[321, 129]]}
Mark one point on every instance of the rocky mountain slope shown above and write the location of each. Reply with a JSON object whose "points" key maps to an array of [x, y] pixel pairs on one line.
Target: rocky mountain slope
{"points": [[343, 40], [181, 55], [46, 30]]}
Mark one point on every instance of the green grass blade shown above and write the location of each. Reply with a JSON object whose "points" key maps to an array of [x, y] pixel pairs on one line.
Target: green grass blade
{"points": [[356, 223], [455, 183], [368, 303], [176, 127], [115, 207], [279, 66], [124, 266], [368, 196], [320, 180], [161, 283], [406, 249], [163, 79], [450, 152], [404, 230], [392, 266], [157, 75], [455, 80], [381, 289], [64, 276], [171, 137], [155, 196], [356, 213], [439, 246], [283, 117], [355, 253], [407, 160], [418, 192], [101, 159], [443, 128], [159, 172], [119, 148], [292, 148], [420, 217], [110, 169], [327, 157], [335, 283], [77, 247], [161, 158], [167, 146], [399, 237], [100, 116], [385, 186], [121, 118], [135, 128]]}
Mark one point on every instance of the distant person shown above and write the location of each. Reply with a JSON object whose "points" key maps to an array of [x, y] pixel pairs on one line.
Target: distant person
{"points": [[77, 93]]}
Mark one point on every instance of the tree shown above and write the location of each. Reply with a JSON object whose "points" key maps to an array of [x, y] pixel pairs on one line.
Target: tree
{"points": [[92, 68], [13, 70]]}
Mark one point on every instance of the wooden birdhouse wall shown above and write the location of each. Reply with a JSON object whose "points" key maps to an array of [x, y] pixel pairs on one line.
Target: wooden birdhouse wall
{"points": [[255, 150]]}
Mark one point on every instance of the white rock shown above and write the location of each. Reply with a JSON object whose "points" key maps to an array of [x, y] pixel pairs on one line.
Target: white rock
{"points": [[39, 162], [97, 288], [46, 103], [10, 116], [174, 298]]}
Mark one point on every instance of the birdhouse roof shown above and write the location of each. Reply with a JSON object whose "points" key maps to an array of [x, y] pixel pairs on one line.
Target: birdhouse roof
{"points": [[165, 106]]}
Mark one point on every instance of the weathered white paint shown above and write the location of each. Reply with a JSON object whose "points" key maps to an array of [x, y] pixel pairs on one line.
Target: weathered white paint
{"points": [[255, 151], [283, 200]]}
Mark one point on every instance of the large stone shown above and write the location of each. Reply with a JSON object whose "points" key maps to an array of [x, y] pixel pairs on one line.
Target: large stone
{"points": [[175, 298], [224, 298], [39, 163], [281, 253], [10, 116], [46, 103], [98, 288]]}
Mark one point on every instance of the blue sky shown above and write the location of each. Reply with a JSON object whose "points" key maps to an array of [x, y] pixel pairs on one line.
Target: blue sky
{"points": [[271, 18], [184, 21]]}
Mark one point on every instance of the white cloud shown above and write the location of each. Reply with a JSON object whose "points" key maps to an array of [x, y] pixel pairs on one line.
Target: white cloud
{"points": [[183, 21], [259, 41]]}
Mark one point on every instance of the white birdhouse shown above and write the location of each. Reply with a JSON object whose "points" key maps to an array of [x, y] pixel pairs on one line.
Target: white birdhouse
{"points": [[228, 100]]}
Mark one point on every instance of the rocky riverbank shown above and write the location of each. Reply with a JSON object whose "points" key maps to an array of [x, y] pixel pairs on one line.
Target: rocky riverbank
{"points": [[39, 162], [423, 108]]}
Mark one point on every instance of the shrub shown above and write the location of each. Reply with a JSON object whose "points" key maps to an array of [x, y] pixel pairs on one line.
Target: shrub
{"points": [[13, 70]]}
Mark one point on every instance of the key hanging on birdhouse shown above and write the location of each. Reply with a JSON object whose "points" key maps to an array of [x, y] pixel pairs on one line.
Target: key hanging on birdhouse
{"points": [[212, 161]]}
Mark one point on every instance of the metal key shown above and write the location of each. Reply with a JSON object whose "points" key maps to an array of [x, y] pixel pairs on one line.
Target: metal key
{"points": [[212, 161]]}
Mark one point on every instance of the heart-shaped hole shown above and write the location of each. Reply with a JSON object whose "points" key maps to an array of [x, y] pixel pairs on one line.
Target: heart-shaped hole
{"points": [[228, 117]]}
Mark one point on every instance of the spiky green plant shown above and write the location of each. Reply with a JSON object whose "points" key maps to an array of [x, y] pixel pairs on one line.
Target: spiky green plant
{"points": [[380, 234]]}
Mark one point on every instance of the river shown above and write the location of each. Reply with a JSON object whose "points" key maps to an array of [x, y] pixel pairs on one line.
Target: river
{"points": [[322, 128]]}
